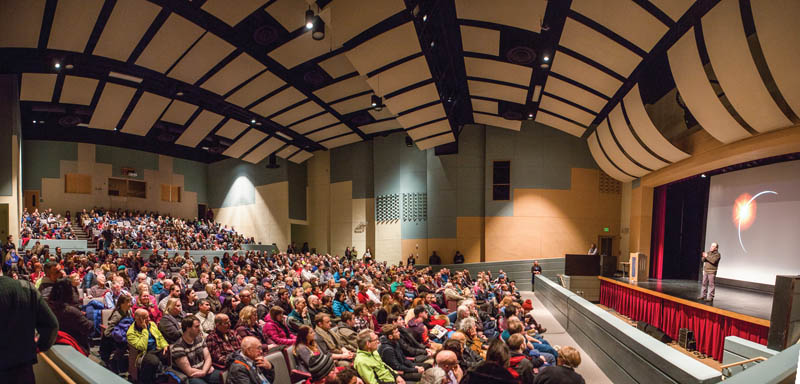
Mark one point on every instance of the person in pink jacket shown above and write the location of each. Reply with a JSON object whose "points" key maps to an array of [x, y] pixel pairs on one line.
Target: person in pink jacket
{"points": [[274, 328]]}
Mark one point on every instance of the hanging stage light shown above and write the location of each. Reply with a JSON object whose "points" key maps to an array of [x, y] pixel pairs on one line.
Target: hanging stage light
{"points": [[309, 19], [318, 32]]}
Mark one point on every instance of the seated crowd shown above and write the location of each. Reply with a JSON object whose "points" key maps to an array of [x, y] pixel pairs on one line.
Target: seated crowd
{"points": [[339, 320], [45, 225], [148, 230]]}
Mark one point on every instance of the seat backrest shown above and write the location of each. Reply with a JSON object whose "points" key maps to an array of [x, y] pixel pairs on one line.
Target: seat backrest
{"points": [[106, 314], [201, 295], [290, 358], [279, 367]]}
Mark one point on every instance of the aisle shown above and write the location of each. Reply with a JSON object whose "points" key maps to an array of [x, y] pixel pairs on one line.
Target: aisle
{"points": [[556, 335]]}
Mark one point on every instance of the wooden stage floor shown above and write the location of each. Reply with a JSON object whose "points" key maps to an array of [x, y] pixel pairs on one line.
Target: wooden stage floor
{"points": [[738, 300]]}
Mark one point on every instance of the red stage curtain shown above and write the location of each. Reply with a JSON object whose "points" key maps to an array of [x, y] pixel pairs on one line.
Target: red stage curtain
{"points": [[657, 247], [710, 329]]}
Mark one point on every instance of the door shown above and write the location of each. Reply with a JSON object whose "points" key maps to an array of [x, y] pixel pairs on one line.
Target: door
{"points": [[4, 222], [31, 200], [605, 245], [201, 211]]}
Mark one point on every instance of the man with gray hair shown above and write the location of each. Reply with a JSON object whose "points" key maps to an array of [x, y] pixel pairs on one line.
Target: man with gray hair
{"points": [[249, 366], [710, 262], [368, 362], [434, 375]]}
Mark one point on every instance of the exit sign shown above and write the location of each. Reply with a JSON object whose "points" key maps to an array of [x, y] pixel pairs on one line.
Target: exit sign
{"points": [[605, 229]]}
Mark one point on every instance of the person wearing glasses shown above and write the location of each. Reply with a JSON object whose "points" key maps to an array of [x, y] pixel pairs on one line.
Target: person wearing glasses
{"points": [[368, 362]]}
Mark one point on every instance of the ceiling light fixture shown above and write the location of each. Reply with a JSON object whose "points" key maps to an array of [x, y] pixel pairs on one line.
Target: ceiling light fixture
{"points": [[179, 94], [253, 121], [703, 175], [546, 58], [377, 103], [69, 66], [318, 32], [309, 19], [57, 65], [424, 17]]}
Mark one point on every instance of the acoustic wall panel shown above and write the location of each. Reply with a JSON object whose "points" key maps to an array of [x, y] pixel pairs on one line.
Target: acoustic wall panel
{"points": [[735, 69], [696, 91]]}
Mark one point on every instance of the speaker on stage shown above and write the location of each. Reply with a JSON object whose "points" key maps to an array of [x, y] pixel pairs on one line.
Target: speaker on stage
{"points": [[784, 328]]}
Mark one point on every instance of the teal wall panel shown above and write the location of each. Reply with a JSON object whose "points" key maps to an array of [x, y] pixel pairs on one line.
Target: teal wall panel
{"points": [[195, 177], [123, 157], [42, 158], [400, 169]]}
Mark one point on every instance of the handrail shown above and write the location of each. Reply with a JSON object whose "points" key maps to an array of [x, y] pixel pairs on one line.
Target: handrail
{"points": [[726, 367], [56, 369]]}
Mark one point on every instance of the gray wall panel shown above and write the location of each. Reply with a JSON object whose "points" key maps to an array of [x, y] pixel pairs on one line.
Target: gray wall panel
{"points": [[244, 176], [298, 181]]}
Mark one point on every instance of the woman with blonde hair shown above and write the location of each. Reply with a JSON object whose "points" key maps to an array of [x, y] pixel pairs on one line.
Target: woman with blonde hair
{"points": [[248, 325], [213, 291], [569, 358]]}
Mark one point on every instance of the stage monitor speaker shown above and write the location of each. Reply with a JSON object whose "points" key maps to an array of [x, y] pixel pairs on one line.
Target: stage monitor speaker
{"points": [[784, 329], [641, 325], [685, 338], [657, 334]]}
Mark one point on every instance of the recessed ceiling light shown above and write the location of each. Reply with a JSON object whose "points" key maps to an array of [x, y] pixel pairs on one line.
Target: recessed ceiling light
{"points": [[69, 66], [546, 58], [205, 148], [253, 121], [544, 65], [258, 123], [433, 43], [179, 93], [703, 175], [41, 121], [424, 17], [57, 65], [530, 115], [34, 121]]}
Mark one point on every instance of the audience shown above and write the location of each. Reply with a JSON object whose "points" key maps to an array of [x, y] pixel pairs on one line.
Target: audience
{"points": [[348, 320]]}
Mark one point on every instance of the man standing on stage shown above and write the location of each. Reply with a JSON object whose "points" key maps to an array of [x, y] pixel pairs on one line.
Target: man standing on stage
{"points": [[710, 262]]}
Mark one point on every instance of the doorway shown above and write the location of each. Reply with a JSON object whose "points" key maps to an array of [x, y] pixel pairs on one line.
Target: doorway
{"points": [[201, 211], [31, 200], [605, 245], [4, 224]]}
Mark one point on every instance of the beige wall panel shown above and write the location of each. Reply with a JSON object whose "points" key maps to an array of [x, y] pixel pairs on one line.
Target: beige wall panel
{"points": [[697, 92], [497, 91], [353, 104], [203, 56], [380, 126], [113, 102], [673, 8], [341, 217], [626, 19], [444, 247], [279, 101], [301, 49], [420, 116], [776, 25], [234, 73], [572, 68], [625, 220], [128, 22], [429, 129], [351, 17], [434, 141], [174, 37], [400, 76], [327, 133], [231, 129], [575, 94], [524, 14], [298, 113], [650, 135], [245, 143], [145, 114], [255, 89], [629, 143], [603, 162], [37, 86], [179, 112], [286, 152], [232, 12], [415, 97], [560, 124], [300, 157], [359, 215], [267, 220], [417, 247], [559, 107], [73, 24], [614, 152], [263, 150], [341, 141], [385, 48], [78, 90], [388, 243], [337, 66], [314, 123], [55, 198], [344, 88], [736, 71], [498, 70], [497, 121], [596, 46], [319, 200], [20, 23], [480, 40], [199, 129], [469, 238], [480, 105]]}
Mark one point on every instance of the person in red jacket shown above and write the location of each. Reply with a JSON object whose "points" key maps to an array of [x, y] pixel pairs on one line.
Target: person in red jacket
{"points": [[274, 328]]}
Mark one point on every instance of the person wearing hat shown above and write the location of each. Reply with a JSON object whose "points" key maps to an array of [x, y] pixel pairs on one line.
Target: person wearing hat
{"points": [[158, 286]]}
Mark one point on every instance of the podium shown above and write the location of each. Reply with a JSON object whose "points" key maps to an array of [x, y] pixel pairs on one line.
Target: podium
{"points": [[638, 267]]}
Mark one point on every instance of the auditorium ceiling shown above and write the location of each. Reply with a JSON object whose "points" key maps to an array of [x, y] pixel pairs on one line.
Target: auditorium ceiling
{"points": [[214, 79]]}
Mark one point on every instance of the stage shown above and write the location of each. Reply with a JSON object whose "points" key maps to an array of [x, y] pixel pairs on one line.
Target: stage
{"points": [[671, 304]]}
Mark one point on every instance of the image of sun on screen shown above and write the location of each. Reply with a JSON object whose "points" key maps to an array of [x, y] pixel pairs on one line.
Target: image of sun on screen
{"points": [[754, 216]]}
